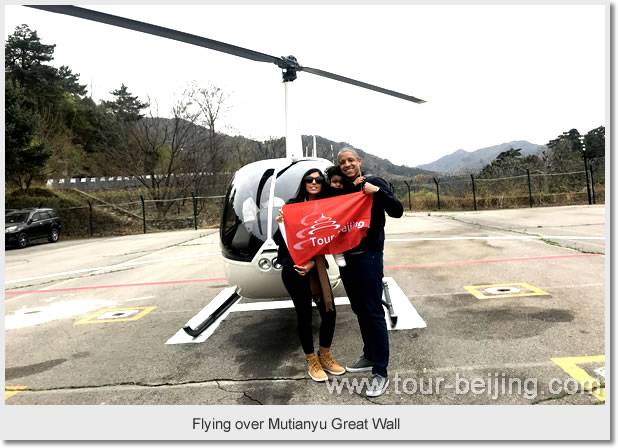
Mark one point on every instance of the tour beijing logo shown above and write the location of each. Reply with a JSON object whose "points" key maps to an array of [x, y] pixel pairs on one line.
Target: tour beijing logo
{"points": [[322, 231]]}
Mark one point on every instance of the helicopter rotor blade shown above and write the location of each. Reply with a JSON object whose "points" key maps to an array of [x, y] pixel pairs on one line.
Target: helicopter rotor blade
{"points": [[156, 30], [403, 96], [287, 63]]}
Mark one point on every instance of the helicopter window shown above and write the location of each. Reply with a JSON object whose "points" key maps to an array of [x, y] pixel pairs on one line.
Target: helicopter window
{"points": [[244, 224]]}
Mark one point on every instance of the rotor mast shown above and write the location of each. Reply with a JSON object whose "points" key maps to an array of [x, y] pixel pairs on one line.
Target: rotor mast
{"points": [[293, 142]]}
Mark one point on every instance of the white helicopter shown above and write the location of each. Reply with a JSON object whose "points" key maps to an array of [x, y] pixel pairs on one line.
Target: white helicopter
{"points": [[258, 190]]}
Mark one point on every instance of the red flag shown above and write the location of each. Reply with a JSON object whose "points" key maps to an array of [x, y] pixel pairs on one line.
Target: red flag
{"points": [[326, 226]]}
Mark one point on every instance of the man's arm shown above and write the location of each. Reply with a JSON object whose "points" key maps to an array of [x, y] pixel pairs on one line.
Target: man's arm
{"points": [[392, 206]]}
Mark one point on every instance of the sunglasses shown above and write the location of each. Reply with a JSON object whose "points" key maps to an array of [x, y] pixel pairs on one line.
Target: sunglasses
{"points": [[310, 180]]}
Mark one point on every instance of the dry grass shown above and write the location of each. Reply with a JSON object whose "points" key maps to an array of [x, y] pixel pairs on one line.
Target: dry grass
{"points": [[119, 212], [427, 200]]}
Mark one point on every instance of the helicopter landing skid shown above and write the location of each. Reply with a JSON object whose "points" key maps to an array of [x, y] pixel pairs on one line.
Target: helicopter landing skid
{"points": [[386, 301], [212, 318]]}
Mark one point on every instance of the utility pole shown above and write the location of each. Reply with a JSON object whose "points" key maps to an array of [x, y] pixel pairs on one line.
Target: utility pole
{"points": [[586, 169]]}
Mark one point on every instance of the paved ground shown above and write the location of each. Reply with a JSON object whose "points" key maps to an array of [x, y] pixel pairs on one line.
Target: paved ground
{"points": [[510, 297]]}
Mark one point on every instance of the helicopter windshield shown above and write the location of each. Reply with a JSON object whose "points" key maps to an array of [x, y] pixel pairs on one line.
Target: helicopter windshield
{"points": [[244, 223]]}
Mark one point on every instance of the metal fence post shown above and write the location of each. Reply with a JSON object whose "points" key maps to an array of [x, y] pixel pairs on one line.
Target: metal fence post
{"points": [[437, 191], [594, 199], [409, 199], [529, 186], [90, 207], [143, 212], [473, 191], [194, 210], [587, 182]]}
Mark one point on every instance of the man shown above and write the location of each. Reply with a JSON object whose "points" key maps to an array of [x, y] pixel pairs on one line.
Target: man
{"points": [[362, 275]]}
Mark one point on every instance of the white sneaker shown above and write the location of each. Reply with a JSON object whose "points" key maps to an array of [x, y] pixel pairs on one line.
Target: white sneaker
{"points": [[340, 260], [377, 386]]}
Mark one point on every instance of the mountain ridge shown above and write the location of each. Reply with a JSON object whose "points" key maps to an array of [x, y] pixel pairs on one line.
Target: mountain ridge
{"points": [[462, 161]]}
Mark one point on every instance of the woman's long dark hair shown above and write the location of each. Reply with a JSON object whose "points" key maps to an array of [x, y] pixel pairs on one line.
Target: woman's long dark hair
{"points": [[301, 193]]}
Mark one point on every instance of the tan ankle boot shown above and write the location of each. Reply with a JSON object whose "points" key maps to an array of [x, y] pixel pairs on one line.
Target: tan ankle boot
{"points": [[328, 363], [315, 369]]}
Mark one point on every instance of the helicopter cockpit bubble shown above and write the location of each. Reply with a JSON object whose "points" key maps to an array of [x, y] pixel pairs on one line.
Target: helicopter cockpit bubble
{"points": [[249, 253]]}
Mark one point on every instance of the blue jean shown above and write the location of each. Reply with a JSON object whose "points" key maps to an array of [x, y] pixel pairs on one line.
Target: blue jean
{"points": [[362, 280]]}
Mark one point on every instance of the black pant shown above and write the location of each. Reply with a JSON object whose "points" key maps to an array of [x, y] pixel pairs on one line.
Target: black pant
{"points": [[362, 279], [299, 289]]}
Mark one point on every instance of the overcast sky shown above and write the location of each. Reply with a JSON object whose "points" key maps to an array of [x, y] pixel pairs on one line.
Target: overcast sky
{"points": [[489, 73]]}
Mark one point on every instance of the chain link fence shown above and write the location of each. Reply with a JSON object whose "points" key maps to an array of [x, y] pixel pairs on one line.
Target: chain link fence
{"points": [[125, 212], [150, 215], [131, 210], [528, 189]]}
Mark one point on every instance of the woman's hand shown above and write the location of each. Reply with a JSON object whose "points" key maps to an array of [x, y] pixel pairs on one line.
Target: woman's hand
{"points": [[279, 217], [303, 270]]}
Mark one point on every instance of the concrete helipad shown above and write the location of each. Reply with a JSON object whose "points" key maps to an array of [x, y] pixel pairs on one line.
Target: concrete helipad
{"points": [[513, 303]]}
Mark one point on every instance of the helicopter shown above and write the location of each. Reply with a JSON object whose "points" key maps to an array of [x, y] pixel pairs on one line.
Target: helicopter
{"points": [[258, 190]]}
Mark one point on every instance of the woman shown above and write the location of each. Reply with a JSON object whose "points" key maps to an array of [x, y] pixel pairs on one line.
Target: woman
{"points": [[301, 280]]}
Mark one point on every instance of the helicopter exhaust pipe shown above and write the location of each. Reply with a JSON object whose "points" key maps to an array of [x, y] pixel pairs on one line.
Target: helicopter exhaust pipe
{"points": [[235, 297]]}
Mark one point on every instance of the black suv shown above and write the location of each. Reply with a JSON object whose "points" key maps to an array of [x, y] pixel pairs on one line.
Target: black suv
{"points": [[23, 226]]}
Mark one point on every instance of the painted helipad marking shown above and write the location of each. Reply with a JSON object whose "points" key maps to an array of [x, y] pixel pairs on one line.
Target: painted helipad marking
{"points": [[413, 266], [277, 305], [28, 317], [407, 316], [113, 266], [139, 298], [513, 237], [116, 315], [571, 367], [9, 391], [125, 285], [503, 260], [124, 314], [504, 290]]}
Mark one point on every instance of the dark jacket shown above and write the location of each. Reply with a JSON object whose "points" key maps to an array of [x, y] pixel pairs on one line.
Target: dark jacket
{"points": [[383, 201], [332, 192]]}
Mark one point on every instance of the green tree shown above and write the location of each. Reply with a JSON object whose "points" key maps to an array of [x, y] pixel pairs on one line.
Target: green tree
{"points": [[24, 55], [573, 137], [125, 107], [509, 163], [25, 157], [119, 126], [595, 142], [50, 99], [25, 65]]}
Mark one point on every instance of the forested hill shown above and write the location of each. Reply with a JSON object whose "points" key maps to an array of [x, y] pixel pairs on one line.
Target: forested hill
{"points": [[237, 151], [240, 151], [370, 163]]}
